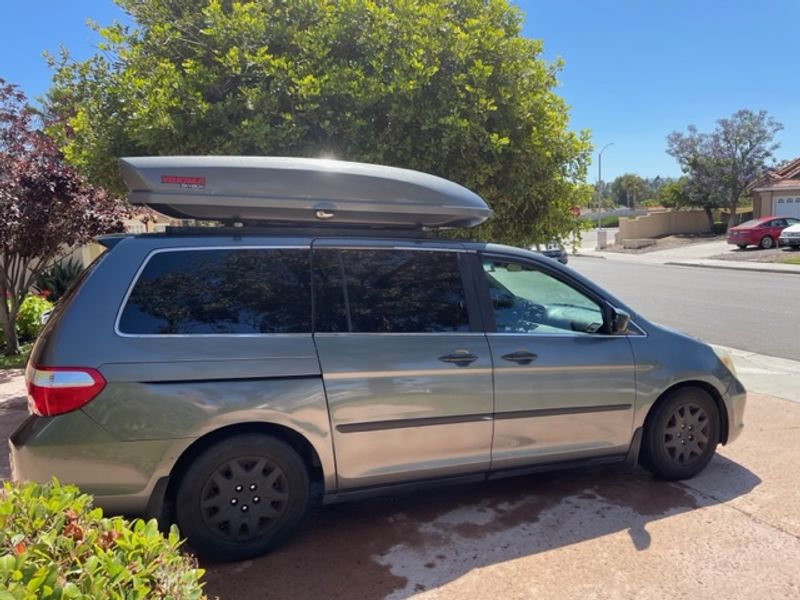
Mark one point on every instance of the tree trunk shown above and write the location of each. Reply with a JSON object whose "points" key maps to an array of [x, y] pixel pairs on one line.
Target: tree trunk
{"points": [[8, 317], [710, 217], [732, 219]]}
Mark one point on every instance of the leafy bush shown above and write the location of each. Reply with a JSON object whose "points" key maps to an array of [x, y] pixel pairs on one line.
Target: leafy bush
{"points": [[719, 228], [58, 279], [29, 317], [651, 203], [607, 221], [54, 545]]}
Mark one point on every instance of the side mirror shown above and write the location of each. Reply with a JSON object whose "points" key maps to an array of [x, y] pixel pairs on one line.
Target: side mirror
{"points": [[619, 320], [615, 320]]}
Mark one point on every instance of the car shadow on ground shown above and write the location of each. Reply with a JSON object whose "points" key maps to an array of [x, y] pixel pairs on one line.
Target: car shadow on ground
{"points": [[401, 545]]}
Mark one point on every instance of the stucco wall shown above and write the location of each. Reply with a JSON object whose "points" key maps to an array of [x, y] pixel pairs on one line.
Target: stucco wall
{"points": [[85, 254], [656, 224]]}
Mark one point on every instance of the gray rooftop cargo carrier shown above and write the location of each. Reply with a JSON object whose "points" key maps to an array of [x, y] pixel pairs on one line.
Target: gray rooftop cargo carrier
{"points": [[250, 189]]}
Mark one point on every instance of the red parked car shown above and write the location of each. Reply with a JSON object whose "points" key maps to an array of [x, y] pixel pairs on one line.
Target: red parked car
{"points": [[761, 232]]}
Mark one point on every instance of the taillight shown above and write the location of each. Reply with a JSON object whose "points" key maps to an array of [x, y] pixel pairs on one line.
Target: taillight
{"points": [[56, 390]]}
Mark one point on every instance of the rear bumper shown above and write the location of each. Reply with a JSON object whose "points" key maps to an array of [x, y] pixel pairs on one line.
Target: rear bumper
{"points": [[122, 476], [738, 241], [789, 241]]}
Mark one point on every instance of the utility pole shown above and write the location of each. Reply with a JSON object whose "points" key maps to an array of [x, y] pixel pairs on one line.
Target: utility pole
{"points": [[600, 245]]}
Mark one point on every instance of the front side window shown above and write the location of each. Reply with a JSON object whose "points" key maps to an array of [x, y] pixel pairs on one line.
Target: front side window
{"points": [[526, 300], [388, 291], [221, 292]]}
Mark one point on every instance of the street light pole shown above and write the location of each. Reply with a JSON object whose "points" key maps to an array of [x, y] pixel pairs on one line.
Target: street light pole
{"points": [[600, 179]]}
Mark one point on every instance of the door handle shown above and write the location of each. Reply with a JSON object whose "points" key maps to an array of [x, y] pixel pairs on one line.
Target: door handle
{"points": [[521, 357], [460, 358]]}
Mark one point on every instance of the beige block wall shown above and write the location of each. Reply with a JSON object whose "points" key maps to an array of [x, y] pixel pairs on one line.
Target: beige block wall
{"points": [[656, 224], [85, 254]]}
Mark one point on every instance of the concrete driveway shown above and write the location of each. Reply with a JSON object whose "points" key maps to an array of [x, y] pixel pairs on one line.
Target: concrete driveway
{"points": [[733, 532]]}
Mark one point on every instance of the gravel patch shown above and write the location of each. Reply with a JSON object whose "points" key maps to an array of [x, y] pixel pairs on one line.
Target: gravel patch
{"points": [[752, 254], [669, 242]]}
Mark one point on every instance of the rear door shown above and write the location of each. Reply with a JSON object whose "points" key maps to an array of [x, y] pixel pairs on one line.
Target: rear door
{"points": [[564, 389], [405, 362]]}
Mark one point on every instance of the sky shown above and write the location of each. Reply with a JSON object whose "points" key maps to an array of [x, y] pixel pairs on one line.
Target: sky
{"points": [[634, 70]]}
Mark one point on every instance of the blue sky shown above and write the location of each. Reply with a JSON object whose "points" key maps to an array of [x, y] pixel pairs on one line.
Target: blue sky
{"points": [[634, 70]]}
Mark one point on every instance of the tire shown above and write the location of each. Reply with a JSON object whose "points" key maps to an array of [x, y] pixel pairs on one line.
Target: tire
{"points": [[766, 242], [742, 246], [681, 436], [241, 497]]}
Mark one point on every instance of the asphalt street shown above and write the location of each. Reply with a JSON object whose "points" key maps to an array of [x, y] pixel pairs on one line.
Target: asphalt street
{"points": [[741, 309]]}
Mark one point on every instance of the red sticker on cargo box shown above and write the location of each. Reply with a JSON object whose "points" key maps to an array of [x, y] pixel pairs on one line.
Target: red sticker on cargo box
{"points": [[184, 181]]}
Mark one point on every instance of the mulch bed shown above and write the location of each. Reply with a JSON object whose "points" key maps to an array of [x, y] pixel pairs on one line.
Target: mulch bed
{"points": [[753, 254], [669, 241]]}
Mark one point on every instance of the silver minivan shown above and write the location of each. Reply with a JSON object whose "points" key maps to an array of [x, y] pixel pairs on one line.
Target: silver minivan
{"points": [[325, 342]]}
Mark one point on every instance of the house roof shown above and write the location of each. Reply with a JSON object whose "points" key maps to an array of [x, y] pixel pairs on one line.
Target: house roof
{"points": [[785, 176]]}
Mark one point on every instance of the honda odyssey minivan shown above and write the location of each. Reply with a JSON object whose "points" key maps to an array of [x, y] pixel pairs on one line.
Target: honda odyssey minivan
{"points": [[324, 340]]}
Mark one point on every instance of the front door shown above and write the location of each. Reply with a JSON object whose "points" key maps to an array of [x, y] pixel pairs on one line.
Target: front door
{"points": [[406, 366], [564, 389]]}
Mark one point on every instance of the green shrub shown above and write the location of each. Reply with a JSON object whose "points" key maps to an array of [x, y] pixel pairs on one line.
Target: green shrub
{"points": [[54, 545], [719, 228], [607, 221], [29, 317], [58, 279]]}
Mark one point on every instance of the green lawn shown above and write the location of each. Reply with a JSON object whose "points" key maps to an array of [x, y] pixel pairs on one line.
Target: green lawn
{"points": [[18, 361], [792, 260]]}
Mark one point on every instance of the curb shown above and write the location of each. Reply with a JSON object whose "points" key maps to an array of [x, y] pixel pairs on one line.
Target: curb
{"points": [[732, 268], [587, 256]]}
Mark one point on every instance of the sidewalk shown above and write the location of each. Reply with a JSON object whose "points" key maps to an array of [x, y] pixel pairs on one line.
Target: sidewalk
{"points": [[13, 410], [691, 255]]}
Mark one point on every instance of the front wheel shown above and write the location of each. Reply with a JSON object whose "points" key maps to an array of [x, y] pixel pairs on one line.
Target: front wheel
{"points": [[241, 497], [682, 435], [766, 242]]}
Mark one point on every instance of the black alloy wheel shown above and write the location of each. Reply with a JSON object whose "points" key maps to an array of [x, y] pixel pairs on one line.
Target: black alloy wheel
{"points": [[681, 435], [241, 497], [686, 433]]}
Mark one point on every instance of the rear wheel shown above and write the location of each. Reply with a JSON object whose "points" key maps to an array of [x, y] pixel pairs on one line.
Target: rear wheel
{"points": [[682, 435], [242, 497], [766, 242]]}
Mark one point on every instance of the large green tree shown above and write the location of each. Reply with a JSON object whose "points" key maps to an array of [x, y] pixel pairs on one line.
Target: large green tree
{"points": [[449, 88], [628, 189]]}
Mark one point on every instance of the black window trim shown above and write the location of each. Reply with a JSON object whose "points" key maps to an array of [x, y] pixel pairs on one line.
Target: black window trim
{"points": [[474, 312], [152, 253]]}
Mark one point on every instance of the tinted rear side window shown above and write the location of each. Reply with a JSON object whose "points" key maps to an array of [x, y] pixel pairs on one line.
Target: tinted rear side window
{"points": [[221, 291], [389, 291]]}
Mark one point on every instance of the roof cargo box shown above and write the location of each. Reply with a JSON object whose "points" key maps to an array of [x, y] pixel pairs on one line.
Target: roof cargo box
{"points": [[249, 189]]}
